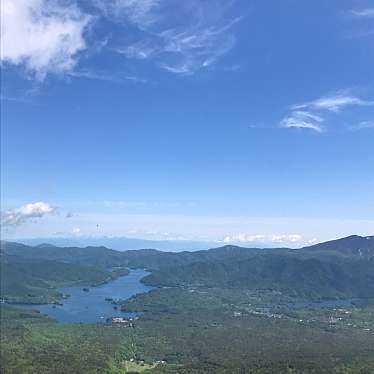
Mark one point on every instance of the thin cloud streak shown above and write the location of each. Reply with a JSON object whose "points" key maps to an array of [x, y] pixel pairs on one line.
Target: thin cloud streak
{"points": [[104, 76], [334, 103], [366, 13]]}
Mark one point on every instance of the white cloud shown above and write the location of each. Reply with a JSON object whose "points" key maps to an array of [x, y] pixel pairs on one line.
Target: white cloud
{"points": [[246, 238], [243, 238], [334, 103], [363, 12], [303, 120], [293, 238], [76, 231], [200, 37], [17, 216], [44, 36]]}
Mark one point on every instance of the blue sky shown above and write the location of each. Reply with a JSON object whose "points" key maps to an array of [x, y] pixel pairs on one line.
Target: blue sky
{"points": [[231, 121]]}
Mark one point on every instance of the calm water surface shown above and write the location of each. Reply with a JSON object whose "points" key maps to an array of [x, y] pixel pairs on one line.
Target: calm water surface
{"points": [[88, 307]]}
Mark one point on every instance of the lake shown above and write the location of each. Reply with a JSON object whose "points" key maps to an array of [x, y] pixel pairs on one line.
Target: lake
{"points": [[91, 306]]}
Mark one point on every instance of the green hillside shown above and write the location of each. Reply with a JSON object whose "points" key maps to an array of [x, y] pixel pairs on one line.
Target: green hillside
{"points": [[35, 281]]}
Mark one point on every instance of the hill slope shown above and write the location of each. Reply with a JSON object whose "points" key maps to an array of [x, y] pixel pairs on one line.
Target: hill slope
{"points": [[361, 246], [34, 280]]}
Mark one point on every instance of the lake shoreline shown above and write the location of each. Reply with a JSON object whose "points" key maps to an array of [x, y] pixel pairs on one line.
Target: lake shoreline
{"points": [[93, 305], [59, 297]]}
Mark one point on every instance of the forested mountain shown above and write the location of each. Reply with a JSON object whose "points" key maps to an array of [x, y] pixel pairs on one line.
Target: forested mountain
{"points": [[311, 278], [339, 268], [351, 246], [34, 280], [96, 256]]}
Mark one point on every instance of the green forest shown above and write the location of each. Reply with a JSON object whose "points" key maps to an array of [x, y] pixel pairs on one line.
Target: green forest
{"points": [[226, 310]]}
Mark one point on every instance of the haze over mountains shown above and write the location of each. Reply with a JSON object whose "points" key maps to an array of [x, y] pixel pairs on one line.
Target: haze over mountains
{"points": [[353, 244], [125, 243], [120, 243]]}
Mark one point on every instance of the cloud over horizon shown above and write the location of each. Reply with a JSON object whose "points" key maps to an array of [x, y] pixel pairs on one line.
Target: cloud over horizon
{"points": [[262, 238], [25, 213]]}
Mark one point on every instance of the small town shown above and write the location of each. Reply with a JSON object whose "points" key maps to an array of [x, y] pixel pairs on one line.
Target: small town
{"points": [[123, 321]]}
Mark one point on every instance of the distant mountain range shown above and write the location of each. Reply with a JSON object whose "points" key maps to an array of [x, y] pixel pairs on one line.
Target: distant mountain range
{"points": [[334, 269], [124, 243], [338, 268]]}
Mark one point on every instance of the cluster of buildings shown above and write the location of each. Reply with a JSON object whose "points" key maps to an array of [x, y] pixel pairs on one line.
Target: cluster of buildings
{"points": [[123, 321]]}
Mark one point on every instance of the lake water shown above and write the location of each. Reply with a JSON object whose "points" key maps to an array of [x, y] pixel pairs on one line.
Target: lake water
{"points": [[91, 306]]}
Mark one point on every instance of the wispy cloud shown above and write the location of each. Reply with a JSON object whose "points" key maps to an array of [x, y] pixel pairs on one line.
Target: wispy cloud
{"points": [[303, 120], [311, 114], [42, 36], [292, 238], [17, 216], [197, 48], [362, 18], [199, 39], [105, 76], [140, 50], [367, 13], [363, 125], [334, 103], [141, 13]]}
